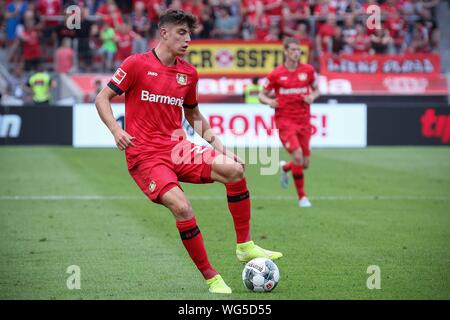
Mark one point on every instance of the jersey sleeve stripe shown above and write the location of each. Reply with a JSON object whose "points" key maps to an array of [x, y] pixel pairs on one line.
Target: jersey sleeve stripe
{"points": [[115, 88], [190, 106]]}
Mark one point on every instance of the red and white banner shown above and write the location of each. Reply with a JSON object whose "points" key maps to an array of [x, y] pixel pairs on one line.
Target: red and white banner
{"points": [[209, 89], [231, 90], [417, 64], [241, 125], [412, 74], [383, 84]]}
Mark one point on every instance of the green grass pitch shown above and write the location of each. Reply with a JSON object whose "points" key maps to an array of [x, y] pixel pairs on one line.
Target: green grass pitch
{"points": [[388, 207]]}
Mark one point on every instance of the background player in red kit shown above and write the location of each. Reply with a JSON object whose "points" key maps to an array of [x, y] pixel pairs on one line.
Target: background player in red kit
{"points": [[158, 86], [295, 89]]}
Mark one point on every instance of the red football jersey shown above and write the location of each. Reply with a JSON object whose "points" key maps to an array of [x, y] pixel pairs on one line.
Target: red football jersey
{"points": [[290, 88], [155, 95]]}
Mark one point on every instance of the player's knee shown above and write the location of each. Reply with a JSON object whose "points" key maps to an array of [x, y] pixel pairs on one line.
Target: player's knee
{"points": [[298, 159], [237, 173], [183, 209], [305, 163]]}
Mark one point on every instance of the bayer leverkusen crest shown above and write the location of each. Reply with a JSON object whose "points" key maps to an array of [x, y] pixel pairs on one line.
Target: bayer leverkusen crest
{"points": [[182, 78], [302, 76], [152, 186]]}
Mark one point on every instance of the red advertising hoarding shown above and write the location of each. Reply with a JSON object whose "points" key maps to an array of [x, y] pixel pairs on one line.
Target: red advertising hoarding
{"points": [[382, 74], [409, 74], [383, 64]]}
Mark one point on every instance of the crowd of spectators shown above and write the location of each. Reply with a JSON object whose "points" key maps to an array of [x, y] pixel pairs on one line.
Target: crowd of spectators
{"points": [[46, 31]]}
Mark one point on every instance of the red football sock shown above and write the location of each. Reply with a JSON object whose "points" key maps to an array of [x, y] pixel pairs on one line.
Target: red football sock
{"points": [[193, 242], [299, 180], [287, 166], [239, 206]]}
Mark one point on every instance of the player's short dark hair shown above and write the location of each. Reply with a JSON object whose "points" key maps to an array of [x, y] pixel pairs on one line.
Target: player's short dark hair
{"points": [[288, 41], [177, 17]]}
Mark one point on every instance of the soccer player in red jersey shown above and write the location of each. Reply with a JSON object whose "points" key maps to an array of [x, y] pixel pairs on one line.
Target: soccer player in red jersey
{"points": [[159, 85], [295, 89]]}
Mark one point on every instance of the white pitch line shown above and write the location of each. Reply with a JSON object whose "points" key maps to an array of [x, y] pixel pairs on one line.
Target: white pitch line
{"points": [[222, 197]]}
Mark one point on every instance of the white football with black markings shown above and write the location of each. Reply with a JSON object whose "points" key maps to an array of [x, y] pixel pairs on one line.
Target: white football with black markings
{"points": [[260, 275]]}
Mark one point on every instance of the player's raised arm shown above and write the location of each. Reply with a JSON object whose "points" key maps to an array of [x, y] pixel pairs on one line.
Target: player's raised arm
{"points": [[314, 91], [266, 95], [265, 98], [104, 109], [312, 96]]}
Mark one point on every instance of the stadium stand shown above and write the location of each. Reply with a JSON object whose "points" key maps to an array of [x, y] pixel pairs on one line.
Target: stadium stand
{"points": [[107, 31]]}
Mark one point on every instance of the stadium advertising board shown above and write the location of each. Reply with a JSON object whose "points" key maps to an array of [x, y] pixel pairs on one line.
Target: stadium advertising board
{"points": [[237, 58], [241, 125], [89, 130], [409, 126], [231, 90], [382, 74], [377, 84], [414, 63], [35, 125], [209, 89]]}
